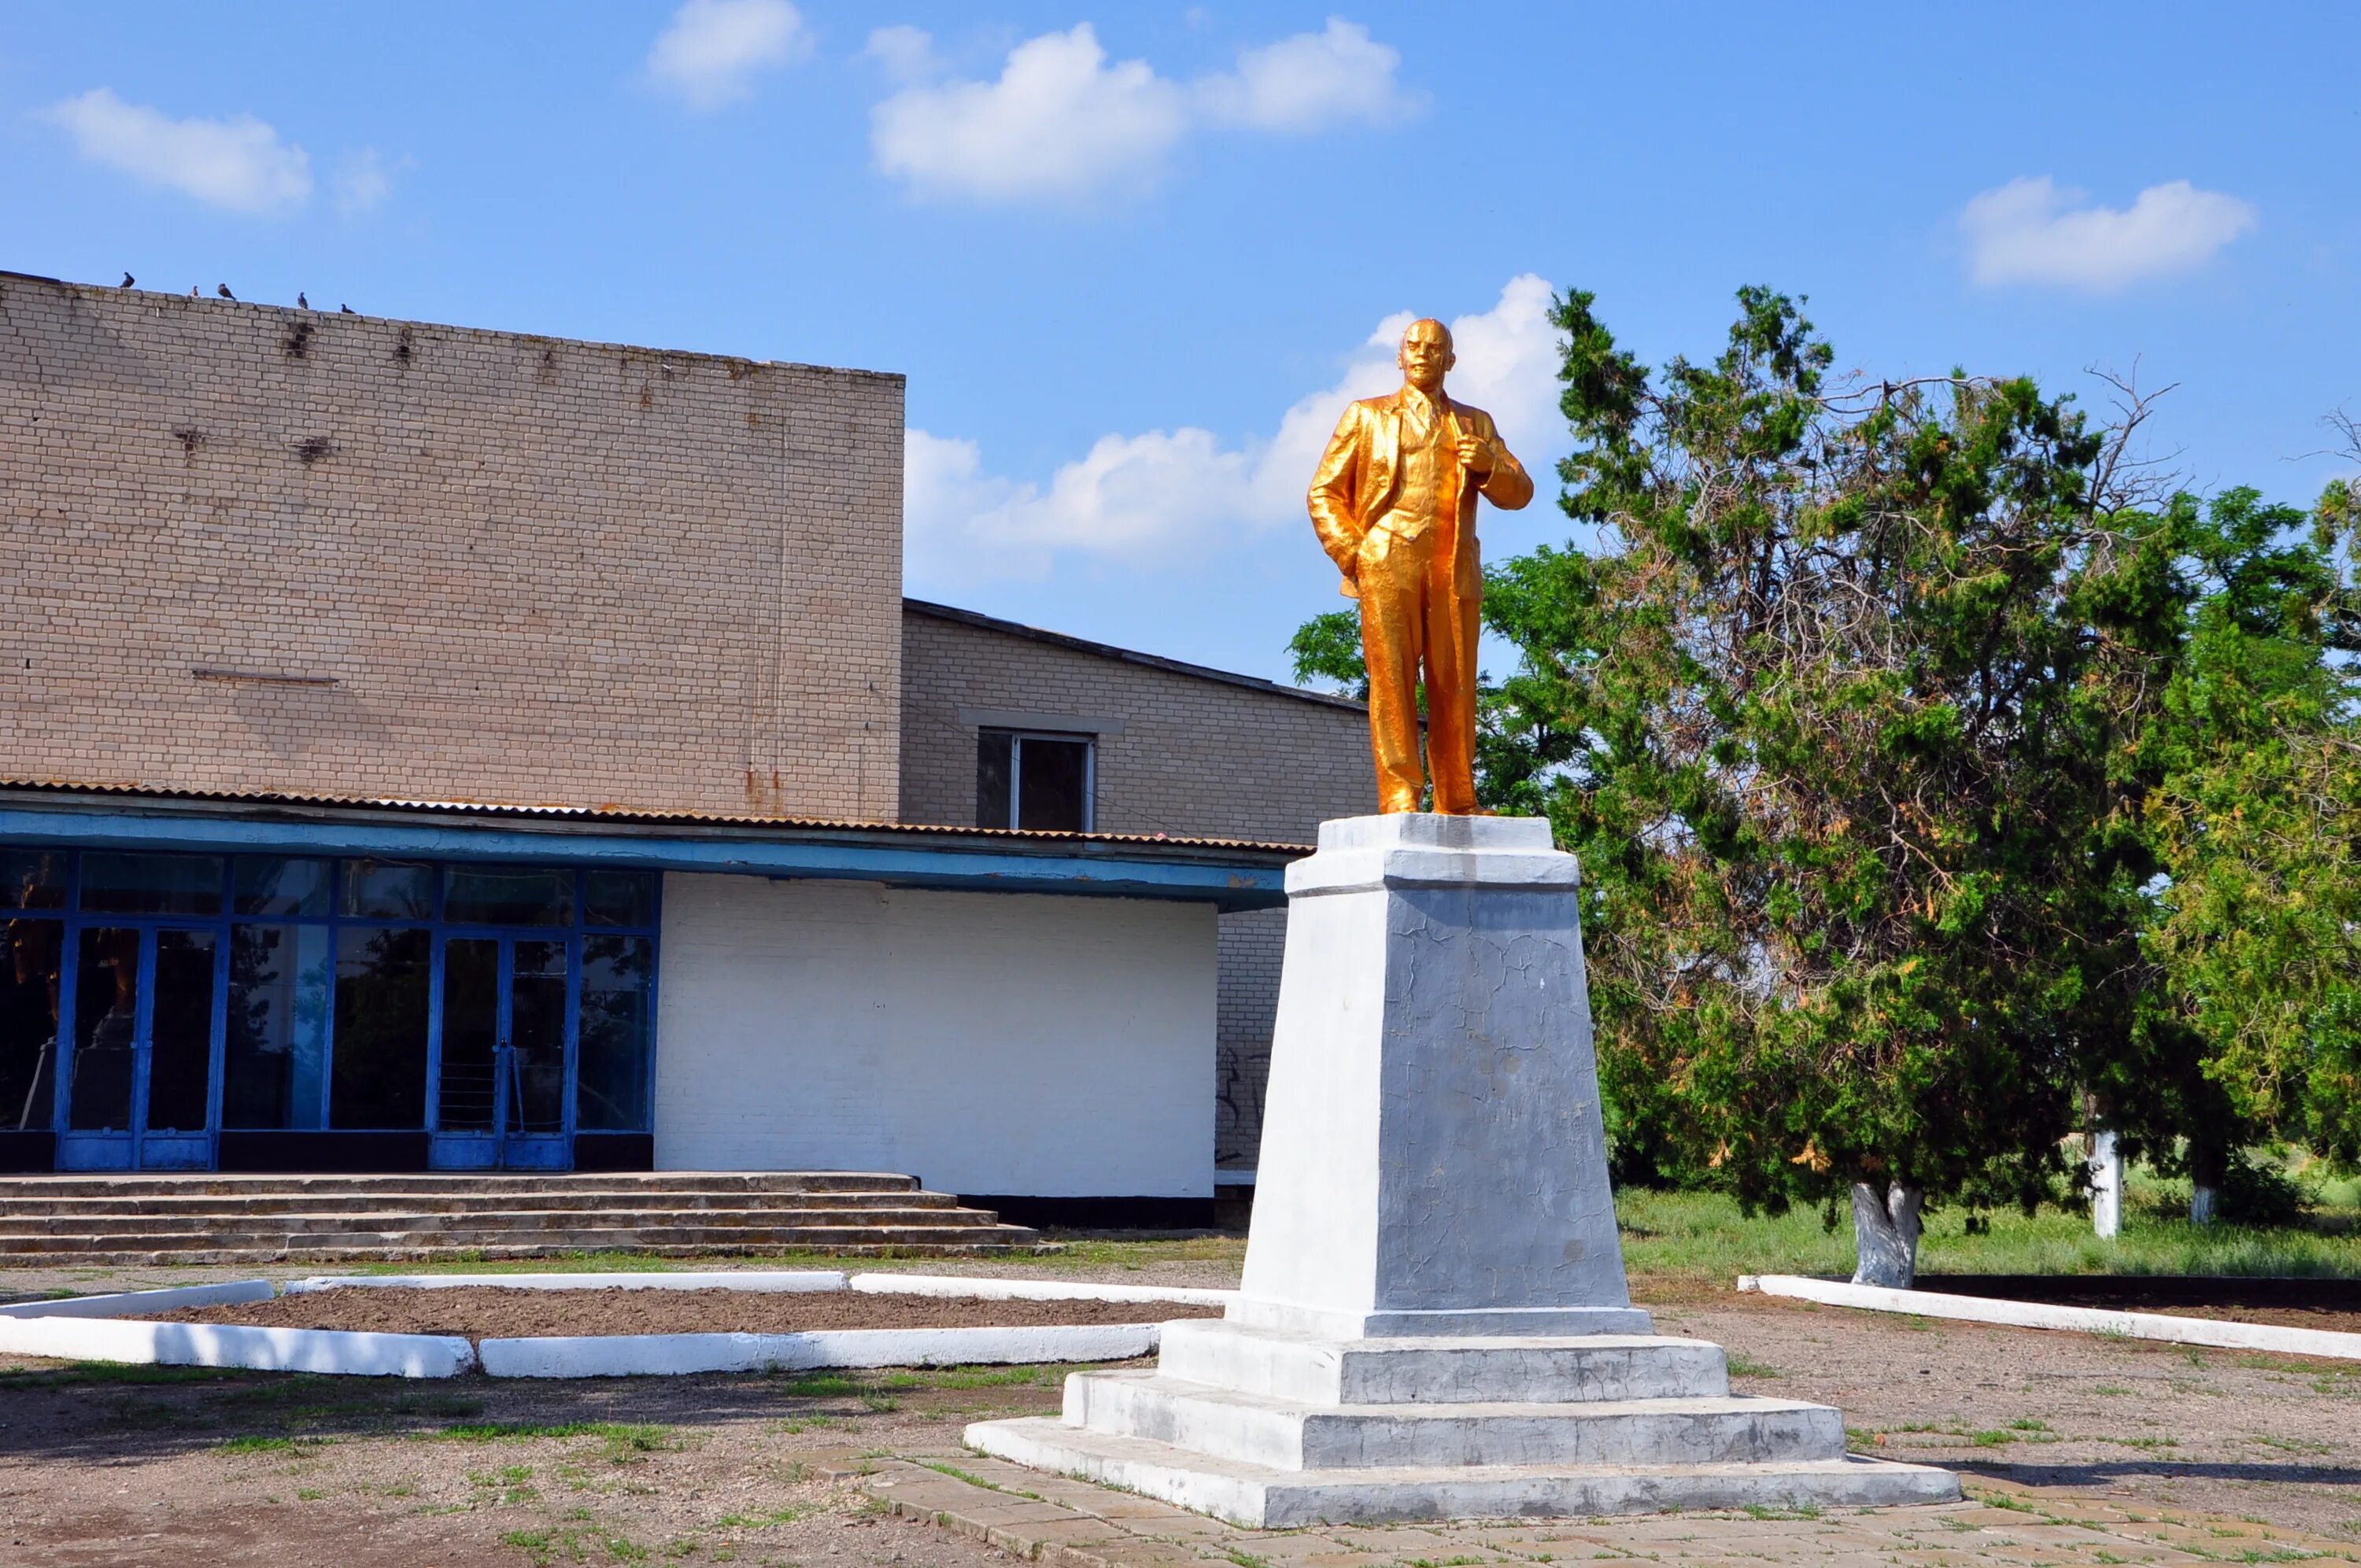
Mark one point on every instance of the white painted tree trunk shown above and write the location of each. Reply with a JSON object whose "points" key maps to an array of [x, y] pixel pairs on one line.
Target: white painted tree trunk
{"points": [[1885, 1235], [2204, 1197], [2106, 1185]]}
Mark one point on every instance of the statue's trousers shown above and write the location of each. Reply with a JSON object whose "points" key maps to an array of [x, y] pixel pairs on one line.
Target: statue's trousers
{"points": [[1420, 597]]}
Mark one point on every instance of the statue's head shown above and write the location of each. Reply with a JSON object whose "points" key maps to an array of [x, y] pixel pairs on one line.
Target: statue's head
{"points": [[1426, 355]]}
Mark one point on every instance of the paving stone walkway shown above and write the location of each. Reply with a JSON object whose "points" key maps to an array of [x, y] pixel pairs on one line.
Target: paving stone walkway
{"points": [[1052, 1519]]}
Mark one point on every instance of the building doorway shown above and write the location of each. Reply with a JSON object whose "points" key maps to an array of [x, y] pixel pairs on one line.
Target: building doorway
{"points": [[504, 1080], [141, 1077]]}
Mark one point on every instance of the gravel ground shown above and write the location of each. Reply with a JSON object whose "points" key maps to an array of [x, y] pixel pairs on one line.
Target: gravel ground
{"points": [[2270, 1437]]}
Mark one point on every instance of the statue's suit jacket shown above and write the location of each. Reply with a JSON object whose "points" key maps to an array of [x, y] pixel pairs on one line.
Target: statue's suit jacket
{"points": [[1361, 471]]}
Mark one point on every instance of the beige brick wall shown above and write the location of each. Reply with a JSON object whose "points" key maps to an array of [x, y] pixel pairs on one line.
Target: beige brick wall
{"points": [[535, 570], [1197, 755]]}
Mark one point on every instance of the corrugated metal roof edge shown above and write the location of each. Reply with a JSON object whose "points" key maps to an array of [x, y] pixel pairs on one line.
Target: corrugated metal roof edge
{"points": [[609, 817]]}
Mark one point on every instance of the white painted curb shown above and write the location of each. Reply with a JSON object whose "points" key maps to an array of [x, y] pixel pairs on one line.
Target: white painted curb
{"points": [[2041, 1315], [643, 1355], [991, 1287], [227, 1344], [762, 1279], [123, 1302]]}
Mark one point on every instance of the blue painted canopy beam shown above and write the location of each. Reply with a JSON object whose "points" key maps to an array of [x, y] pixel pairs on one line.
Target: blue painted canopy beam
{"points": [[1230, 879]]}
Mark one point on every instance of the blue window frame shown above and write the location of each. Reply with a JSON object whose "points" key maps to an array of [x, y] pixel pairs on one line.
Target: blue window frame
{"points": [[149, 1002]]}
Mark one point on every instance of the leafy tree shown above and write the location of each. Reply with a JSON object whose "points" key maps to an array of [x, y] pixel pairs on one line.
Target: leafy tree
{"points": [[1831, 718], [1326, 651], [2252, 1021]]}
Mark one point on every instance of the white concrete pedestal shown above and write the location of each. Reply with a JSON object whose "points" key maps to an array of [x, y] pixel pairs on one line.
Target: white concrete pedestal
{"points": [[1434, 1320]]}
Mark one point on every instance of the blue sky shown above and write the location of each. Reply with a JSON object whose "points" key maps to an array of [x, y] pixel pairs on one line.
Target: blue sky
{"points": [[1131, 257]]}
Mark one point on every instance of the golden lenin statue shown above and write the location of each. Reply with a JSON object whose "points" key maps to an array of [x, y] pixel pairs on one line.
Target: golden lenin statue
{"points": [[1394, 504]]}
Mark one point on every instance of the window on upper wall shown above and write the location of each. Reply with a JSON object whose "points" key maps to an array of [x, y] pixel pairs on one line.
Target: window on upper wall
{"points": [[1042, 782]]}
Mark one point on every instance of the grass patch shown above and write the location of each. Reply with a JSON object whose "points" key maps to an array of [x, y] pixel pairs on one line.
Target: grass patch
{"points": [[254, 1445], [825, 1386], [1743, 1365], [761, 1521], [575, 1545], [976, 1377], [473, 1262], [626, 1442], [1702, 1236]]}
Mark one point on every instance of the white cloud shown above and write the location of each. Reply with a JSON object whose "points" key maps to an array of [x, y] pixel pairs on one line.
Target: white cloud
{"points": [[1059, 122], [1311, 81], [237, 163], [362, 183], [906, 53], [713, 48], [2034, 231], [1132, 494], [1062, 121]]}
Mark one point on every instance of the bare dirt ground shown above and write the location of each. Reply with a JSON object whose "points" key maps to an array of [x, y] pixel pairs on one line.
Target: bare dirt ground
{"points": [[481, 1312], [141, 1466], [2268, 1437]]}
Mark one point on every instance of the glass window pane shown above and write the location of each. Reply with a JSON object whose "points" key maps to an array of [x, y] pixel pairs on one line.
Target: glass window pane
{"points": [[275, 886], [1053, 785], [378, 1076], [279, 995], [29, 978], [509, 895], [388, 890], [610, 1092], [992, 775], [618, 898], [537, 1035], [106, 1012], [32, 878], [151, 884], [180, 1033], [471, 1035]]}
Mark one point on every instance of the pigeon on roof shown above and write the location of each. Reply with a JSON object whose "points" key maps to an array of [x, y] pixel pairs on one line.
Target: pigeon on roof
{"points": [[127, 280], [348, 310], [300, 302], [223, 290]]}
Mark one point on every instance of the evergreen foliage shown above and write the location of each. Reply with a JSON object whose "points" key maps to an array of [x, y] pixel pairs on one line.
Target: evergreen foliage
{"points": [[2251, 1026], [1828, 718]]}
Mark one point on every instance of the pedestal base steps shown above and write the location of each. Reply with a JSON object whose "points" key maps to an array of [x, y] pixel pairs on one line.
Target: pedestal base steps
{"points": [[1269, 1427]]}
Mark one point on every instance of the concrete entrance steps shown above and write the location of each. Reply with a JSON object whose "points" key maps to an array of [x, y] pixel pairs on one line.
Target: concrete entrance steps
{"points": [[1277, 1430], [214, 1218]]}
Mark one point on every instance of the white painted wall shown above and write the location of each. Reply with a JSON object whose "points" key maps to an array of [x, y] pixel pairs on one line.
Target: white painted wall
{"points": [[988, 1043]]}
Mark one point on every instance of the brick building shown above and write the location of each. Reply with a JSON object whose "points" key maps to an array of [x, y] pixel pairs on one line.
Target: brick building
{"points": [[429, 747]]}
